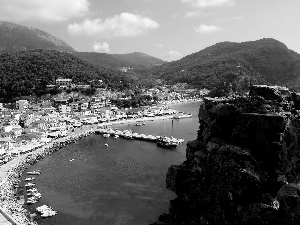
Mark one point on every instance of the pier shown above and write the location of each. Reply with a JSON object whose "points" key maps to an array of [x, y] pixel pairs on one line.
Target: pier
{"points": [[160, 140]]}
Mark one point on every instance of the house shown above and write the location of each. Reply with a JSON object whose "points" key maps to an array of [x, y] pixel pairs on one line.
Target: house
{"points": [[63, 82], [22, 105], [64, 109], [74, 106], [83, 105]]}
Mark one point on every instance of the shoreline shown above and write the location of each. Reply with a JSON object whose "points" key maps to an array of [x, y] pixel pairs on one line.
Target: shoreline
{"points": [[16, 168], [11, 173]]}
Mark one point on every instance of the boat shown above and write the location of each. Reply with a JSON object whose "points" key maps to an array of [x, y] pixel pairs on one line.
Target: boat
{"points": [[46, 211], [34, 172], [31, 201], [138, 124], [116, 136], [29, 178], [106, 135], [30, 185], [166, 142], [144, 123], [182, 115], [106, 145]]}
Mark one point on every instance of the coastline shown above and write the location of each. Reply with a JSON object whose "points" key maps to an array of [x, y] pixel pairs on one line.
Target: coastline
{"points": [[11, 172]]}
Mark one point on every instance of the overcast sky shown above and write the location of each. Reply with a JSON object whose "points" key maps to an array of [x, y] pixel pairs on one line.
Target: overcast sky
{"points": [[166, 29]]}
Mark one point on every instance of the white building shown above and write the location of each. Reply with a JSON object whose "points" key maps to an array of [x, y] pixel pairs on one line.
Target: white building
{"points": [[22, 105], [63, 82]]}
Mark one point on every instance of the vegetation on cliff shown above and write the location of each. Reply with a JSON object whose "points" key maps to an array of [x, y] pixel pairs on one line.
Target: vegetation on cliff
{"points": [[243, 168]]}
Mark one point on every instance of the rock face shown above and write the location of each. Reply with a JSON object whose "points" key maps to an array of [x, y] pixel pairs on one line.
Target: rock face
{"points": [[244, 167]]}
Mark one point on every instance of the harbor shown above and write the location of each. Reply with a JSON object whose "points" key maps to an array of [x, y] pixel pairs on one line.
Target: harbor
{"points": [[159, 127]]}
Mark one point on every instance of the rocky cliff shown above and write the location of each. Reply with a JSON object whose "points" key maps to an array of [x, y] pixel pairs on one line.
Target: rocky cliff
{"points": [[244, 167]]}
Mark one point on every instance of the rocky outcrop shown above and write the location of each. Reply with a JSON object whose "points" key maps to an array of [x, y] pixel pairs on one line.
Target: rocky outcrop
{"points": [[244, 167]]}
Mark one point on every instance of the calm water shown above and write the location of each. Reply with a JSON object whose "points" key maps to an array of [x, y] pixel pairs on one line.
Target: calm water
{"points": [[122, 184]]}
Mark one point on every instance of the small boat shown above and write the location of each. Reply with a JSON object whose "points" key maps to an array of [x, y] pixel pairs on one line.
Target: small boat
{"points": [[34, 172], [29, 178], [71, 160], [31, 201], [30, 185], [106, 145], [106, 135], [144, 123], [138, 124], [46, 211], [116, 136]]}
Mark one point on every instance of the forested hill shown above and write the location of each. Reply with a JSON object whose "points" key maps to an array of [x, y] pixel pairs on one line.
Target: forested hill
{"points": [[14, 37], [28, 72], [135, 59], [235, 64]]}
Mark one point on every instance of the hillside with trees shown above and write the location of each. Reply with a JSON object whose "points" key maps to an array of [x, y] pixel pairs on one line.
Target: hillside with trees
{"points": [[235, 66], [14, 37], [134, 60], [28, 72]]}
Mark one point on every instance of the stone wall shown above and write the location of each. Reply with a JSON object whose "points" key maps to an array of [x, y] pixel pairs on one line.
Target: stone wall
{"points": [[244, 167]]}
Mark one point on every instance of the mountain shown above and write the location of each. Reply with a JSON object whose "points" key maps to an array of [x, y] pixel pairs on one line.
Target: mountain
{"points": [[14, 37], [135, 60], [230, 65], [28, 72]]}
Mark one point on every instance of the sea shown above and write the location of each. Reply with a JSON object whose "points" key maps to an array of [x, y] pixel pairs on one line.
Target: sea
{"points": [[88, 183]]}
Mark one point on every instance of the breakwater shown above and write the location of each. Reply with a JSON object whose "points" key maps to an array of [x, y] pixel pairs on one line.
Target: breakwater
{"points": [[9, 184], [243, 168]]}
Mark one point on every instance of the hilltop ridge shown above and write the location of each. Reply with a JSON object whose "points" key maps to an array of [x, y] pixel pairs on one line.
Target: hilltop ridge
{"points": [[14, 37], [265, 61]]}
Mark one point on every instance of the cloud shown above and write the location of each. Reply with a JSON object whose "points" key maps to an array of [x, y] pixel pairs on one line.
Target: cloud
{"points": [[174, 55], [209, 3], [197, 13], [41, 10], [205, 29], [123, 25], [101, 47], [160, 45]]}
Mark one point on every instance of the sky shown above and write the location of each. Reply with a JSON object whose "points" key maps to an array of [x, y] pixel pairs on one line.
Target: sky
{"points": [[165, 29]]}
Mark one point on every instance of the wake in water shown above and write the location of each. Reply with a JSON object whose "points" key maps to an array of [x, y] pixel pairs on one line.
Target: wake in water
{"points": [[133, 168]]}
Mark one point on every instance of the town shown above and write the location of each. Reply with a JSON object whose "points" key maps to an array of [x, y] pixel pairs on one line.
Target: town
{"points": [[27, 125]]}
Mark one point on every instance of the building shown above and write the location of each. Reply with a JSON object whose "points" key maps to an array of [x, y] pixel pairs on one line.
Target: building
{"points": [[83, 105], [22, 105], [64, 109], [63, 82], [74, 106]]}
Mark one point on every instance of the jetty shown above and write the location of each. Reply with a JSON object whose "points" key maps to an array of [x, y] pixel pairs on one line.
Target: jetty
{"points": [[128, 134]]}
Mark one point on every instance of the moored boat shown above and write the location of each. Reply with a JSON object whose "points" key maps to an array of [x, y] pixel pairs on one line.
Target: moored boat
{"points": [[37, 172]]}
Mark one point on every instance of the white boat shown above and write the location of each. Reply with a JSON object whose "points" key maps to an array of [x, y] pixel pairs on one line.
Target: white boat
{"points": [[34, 172], [46, 211], [29, 178], [30, 185], [116, 136], [182, 115], [106, 145], [106, 135]]}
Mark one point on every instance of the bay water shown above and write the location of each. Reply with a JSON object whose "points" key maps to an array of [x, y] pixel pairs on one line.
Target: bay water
{"points": [[122, 184]]}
